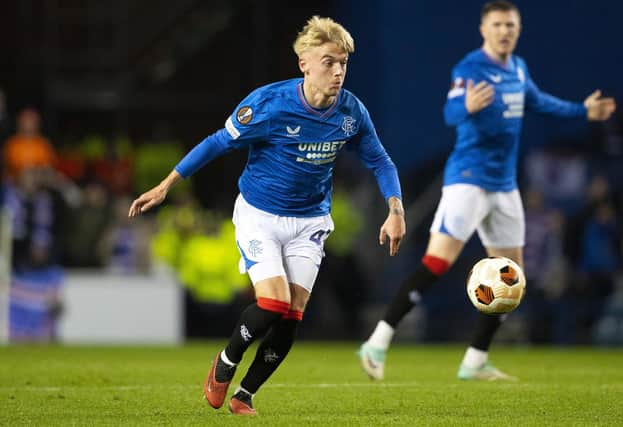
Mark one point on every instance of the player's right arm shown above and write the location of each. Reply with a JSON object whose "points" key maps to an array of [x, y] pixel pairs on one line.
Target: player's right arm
{"points": [[155, 196], [466, 98], [210, 148], [248, 123]]}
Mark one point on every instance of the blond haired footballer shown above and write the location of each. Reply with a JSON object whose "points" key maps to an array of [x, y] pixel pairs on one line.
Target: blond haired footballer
{"points": [[293, 131]]}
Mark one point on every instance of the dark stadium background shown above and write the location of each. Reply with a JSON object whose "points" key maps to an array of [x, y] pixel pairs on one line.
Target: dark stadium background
{"points": [[160, 69]]}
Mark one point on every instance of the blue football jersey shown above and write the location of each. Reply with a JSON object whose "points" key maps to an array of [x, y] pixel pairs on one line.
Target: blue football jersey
{"points": [[486, 149], [292, 148]]}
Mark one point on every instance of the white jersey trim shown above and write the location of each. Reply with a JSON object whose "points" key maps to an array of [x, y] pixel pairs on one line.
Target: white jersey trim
{"points": [[231, 129]]}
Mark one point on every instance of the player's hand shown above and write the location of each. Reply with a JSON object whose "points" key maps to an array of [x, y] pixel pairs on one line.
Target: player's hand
{"points": [[479, 96], [147, 200], [598, 108], [394, 228], [155, 196]]}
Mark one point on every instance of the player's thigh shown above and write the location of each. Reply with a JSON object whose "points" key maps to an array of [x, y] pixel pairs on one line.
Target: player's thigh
{"points": [[461, 208], [258, 237], [445, 247], [303, 254], [516, 254], [505, 226], [302, 271]]}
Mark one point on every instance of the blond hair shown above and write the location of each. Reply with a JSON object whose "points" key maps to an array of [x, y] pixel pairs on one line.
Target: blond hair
{"points": [[322, 30]]}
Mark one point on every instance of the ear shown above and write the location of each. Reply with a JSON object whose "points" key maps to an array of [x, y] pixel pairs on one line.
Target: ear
{"points": [[302, 65], [482, 31]]}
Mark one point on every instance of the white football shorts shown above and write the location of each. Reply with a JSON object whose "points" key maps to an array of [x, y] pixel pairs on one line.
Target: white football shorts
{"points": [[498, 216], [273, 245]]}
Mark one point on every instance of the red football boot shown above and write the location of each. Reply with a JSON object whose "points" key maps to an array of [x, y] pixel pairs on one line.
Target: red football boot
{"points": [[241, 403], [213, 389]]}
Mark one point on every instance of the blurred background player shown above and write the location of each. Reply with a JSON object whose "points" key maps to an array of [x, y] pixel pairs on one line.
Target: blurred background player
{"points": [[294, 131], [490, 88]]}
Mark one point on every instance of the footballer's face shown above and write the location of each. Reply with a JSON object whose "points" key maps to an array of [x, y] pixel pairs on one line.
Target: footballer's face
{"points": [[500, 30], [324, 70]]}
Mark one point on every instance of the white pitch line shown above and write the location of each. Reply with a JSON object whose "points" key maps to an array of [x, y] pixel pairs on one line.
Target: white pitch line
{"points": [[198, 386], [344, 385]]}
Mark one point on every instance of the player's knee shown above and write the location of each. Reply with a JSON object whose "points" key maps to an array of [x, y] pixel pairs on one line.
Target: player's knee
{"points": [[274, 288], [297, 305], [299, 298]]}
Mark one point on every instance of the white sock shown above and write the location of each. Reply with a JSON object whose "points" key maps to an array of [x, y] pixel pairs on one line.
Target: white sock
{"points": [[226, 360], [382, 335], [245, 390], [474, 358]]}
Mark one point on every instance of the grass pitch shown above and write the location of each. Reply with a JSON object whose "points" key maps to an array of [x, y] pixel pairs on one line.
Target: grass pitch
{"points": [[319, 384]]}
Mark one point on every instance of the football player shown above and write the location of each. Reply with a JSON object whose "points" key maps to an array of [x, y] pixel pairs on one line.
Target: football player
{"points": [[490, 89], [294, 130]]}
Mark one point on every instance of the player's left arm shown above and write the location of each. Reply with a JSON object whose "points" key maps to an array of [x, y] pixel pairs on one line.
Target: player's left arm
{"points": [[394, 227], [373, 155], [594, 108], [598, 108]]}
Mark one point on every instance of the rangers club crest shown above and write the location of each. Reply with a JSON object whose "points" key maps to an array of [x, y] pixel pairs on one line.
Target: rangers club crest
{"points": [[348, 125], [255, 247]]}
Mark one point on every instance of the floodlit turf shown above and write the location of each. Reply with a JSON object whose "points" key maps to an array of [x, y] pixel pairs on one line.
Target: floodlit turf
{"points": [[319, 384]]}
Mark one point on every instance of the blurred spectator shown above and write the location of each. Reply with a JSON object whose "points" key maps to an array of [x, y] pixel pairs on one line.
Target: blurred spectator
{"points": [[36, 277], [37, 198], [32, 210], [27, 148]]}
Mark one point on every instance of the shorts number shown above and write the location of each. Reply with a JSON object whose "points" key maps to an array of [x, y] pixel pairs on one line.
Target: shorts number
{"points": [[317, 237]]}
